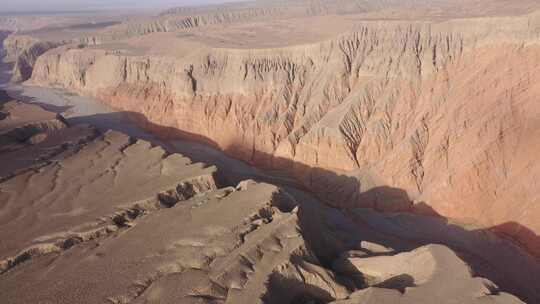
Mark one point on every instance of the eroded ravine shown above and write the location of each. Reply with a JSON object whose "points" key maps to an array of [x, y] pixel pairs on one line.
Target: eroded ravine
{"points": [[267, 248]]}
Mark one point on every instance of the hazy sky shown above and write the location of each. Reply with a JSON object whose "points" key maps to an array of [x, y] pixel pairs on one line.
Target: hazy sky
{"points": [[55, 5]]}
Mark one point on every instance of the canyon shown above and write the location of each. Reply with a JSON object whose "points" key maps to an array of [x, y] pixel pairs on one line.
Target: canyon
{"points": [[187, 231], [441, 113], [393, 141]]}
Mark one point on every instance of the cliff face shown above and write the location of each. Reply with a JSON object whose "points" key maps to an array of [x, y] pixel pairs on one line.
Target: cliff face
{"points": [[23, 51], [436, 118], [13, 45]]}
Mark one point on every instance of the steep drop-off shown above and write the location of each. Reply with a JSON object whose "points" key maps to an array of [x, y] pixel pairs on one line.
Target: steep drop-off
{"points": [[438, 118], [23, 51]]}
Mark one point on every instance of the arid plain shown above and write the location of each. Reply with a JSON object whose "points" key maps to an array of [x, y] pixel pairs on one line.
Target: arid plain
{"points": [[302, 151]]}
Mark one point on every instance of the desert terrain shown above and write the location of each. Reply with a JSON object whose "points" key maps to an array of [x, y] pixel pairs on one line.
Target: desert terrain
{"points": [[303, 151]]}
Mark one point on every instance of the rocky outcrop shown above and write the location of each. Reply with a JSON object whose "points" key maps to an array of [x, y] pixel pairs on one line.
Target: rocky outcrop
{"points": [[75, 161], [468, 242], [406, 277], [22, 124]]}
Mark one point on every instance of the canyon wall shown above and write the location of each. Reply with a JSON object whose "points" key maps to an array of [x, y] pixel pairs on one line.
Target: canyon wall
{"points": [[23, 51], [437, 118], [13, 45]]}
